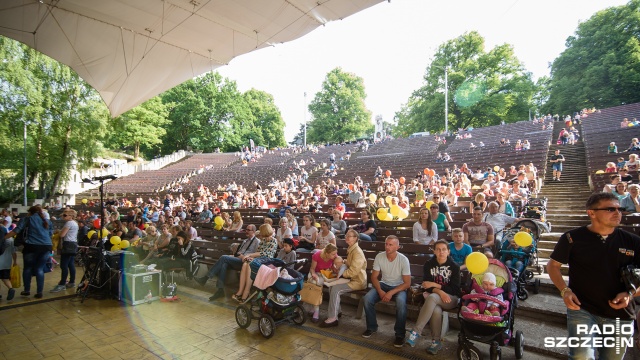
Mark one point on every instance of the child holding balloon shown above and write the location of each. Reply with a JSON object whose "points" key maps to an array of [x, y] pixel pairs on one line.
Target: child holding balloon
{"points": [[517, 249]]}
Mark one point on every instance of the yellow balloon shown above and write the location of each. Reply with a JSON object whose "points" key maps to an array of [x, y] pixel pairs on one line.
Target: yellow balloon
{"points": [[496, 168], [217, 227], [115, 248], [600, 172], [373, 197], [124, 244], [90, 234], [395, 210], [477, 263], [388, 199], [105, 233], [404, 213], [523, 238], [218, 220], [317, 225], [84, 201], [115, 240], [389, 217], [146, 226], [428, 204], [382, 213]]}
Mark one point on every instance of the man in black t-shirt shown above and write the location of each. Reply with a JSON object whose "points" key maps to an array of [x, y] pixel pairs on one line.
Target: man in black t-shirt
{"points": [[595, 255], [556, 161]]}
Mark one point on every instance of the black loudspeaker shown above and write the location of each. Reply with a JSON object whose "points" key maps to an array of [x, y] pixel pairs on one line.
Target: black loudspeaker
{"points": [[120, 260]]}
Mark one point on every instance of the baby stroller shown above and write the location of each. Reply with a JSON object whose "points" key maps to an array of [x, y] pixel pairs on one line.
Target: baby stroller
{"points": [[490, 329], [275, 303], [526, 256], [536, 209]]}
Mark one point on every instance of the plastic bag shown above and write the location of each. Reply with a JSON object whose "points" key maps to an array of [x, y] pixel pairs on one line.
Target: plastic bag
{"points": [[16, 276]]}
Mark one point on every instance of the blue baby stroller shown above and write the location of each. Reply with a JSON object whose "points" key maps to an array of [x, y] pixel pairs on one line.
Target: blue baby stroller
{"points": [[520, 259], [274, 304]]}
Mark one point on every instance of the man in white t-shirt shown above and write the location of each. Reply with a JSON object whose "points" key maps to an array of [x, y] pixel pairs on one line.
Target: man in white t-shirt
{"points": [[395, 273], [498, 220]]}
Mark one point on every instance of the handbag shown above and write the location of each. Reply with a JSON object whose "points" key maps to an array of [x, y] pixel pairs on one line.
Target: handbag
{"points": [[69, 248], [306, 245], [415, 295], [16, 276], [311, 293]]}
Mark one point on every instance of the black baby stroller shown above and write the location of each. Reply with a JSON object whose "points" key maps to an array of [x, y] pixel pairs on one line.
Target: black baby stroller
{"points": [[496, 330], [275, 303], [513, 255], [536, 208]]}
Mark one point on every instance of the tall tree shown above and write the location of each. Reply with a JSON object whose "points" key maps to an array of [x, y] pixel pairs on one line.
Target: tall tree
{"points": [[338, 110], [601, 65], [267, 117], [484, 88], [141, 126], [65, 119]]}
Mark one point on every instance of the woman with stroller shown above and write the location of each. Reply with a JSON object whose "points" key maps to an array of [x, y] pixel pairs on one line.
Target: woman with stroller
{"points": [[267, 248], [442, 283]]}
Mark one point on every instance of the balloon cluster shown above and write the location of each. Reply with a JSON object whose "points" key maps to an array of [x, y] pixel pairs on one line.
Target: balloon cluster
{"points": [[118, 244], [429, 172]]}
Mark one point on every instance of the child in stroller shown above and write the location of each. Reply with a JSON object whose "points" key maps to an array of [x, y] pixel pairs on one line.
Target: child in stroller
{"points": [[494, 329], [487, 307]]}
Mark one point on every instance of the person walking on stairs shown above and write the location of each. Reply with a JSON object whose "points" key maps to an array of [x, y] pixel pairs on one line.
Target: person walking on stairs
{"points": [[556, 161]]}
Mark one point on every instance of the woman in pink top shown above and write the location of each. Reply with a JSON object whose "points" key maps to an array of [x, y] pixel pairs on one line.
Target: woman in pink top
{"points": [[321, 260]]}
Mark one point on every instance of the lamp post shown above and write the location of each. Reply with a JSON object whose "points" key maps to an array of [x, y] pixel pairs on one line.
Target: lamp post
{"points": [[24, 201], [446, 97], [305, 119]]}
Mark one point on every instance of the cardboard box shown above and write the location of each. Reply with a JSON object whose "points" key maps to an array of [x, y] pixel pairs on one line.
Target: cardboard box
{"points": [[134, 288]]}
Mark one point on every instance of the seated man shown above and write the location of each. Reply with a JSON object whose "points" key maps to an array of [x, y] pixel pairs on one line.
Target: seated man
{"points": [[518, 193], [206, 215], [396, 279], [478, 233], [497, 219], [235, 261], [631, 203]]}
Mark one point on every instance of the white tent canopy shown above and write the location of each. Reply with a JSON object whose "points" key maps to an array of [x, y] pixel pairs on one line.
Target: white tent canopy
{"points": [[133, 50]]}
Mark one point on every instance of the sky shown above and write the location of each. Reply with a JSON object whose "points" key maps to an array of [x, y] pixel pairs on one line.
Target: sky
{"points": [[391, 44]]}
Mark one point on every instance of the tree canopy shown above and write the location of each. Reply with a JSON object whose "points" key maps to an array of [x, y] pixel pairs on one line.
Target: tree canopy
{"points": [[601, 65], [338, 110], [485, 88]]}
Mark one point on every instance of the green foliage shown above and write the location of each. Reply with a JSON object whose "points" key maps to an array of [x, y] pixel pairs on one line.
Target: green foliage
{"points": [[141, 126], [485, 88], [601, 65], [338, 110], [65, 118], [268, 121]]}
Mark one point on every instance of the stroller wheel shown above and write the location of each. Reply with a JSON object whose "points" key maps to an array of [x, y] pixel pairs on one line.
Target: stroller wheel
{"points": [[267, 326], [523, 294], [243, 316], [469, 352], [536, 286], [519, 344], [528, 274], [299, 317]]}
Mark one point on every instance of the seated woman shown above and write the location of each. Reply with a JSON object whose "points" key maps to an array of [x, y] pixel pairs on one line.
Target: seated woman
{"points": [[321, 260], [325, 236], [267, 248], [308, 235], [227, 221], [489, 288], [611, 168], [236, 224], [338, 226], [439, 218], [620, 191], [486, 190], [367, 227], [425, 231], [292, 222], [526, 145], [478, 201], [283, 232], [355, 272], [179, 253], [612, 149], [442, 283]]}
